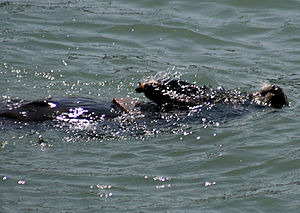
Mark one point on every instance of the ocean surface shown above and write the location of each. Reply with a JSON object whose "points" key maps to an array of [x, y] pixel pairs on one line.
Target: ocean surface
{"points": [[101, 50]]}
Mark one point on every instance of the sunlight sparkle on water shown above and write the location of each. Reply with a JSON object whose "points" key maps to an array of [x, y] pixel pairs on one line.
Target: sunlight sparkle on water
{"points": [[103, 191], [208, 183], [52, 105], [21, 182]]}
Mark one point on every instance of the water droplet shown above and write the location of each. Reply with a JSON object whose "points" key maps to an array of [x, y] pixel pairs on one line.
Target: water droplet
{"points": [[21, 182], [208, 183], [64, 62]]}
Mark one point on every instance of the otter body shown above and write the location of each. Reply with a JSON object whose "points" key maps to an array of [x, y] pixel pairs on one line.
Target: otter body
{"points": [[178, 93], [166, 95], [49, 109]]}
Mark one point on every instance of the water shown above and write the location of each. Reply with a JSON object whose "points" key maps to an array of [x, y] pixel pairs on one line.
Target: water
{"points": [[100, 50]]}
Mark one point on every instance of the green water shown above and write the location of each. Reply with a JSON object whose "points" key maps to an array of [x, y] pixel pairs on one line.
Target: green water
{"points": [[101, 49]]}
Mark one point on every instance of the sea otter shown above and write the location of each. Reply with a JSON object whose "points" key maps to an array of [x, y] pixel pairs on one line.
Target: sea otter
{"points": [[166, 95], [178, 93]]}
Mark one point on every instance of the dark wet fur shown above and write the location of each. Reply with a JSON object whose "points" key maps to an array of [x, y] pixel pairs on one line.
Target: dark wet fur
{"points": [[48, 109], [181, 94], [172, 99]]}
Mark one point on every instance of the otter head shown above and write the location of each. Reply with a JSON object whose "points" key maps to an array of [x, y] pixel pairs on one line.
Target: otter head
{"points": [[168, 92], [272, 95]]}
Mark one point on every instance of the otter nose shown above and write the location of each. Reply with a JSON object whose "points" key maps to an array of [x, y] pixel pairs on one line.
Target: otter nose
{"points": [[140, 88], [145, 86]]}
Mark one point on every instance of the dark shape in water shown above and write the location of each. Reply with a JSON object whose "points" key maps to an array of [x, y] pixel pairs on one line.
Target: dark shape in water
{"points": [[178, 93], [167, 95], [59, 108]]}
